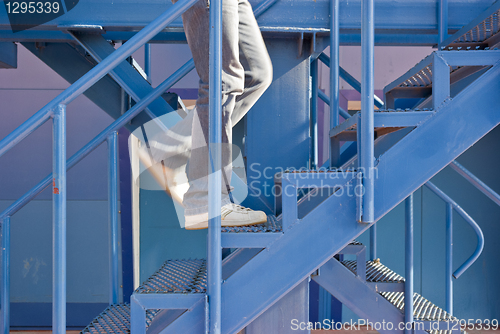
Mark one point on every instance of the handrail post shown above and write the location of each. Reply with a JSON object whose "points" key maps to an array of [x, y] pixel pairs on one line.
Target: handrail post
{"points": [[5, 276], [449, 258], [59, 222], [373, 242], [113, 216], [442, 20], [334, 77], [314, 113], [367, 122], [409, 262], [214, 288], [147, 61]]}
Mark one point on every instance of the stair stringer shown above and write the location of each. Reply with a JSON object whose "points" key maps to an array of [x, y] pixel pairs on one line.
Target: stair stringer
{"points": [[367, 304], [313, 240]]}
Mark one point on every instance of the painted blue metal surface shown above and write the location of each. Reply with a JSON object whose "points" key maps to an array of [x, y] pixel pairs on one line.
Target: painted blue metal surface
{"points": [[214, 248], [314, 113], [367, 123], [326, 99], [476, 182], [449, 258], [334, 67], [442, 20], [8, 55], [98, 140], [470, 221], [59, 222], [373, 242], [114, 287], [5, 297], [409, 262]]}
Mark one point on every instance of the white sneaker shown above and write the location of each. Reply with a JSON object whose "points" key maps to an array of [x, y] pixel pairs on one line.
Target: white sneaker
{"points": [[231, 215], [174, 182]]}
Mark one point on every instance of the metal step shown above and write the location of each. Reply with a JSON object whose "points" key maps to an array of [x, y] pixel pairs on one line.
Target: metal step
{"points": [[385, 121], [423, 310], [115, 319], [480, 33], [376, 272], [253, 236], [177, 276], [273, 224]]}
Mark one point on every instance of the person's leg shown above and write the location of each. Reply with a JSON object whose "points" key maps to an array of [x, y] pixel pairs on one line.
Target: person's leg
{"points": [[255, 61], [196, 27]]}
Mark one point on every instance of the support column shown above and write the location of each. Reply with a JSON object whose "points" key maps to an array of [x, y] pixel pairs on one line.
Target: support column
{"points": [[59, 222], [409, 262]]}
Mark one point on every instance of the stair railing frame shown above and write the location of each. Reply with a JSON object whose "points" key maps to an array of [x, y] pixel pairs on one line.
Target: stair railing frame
{"points": [[450, 206], [56, 109]]}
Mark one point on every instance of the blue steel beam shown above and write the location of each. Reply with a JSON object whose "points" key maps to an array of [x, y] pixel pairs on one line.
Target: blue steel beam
{"points": [[124, 74], [214, 247], [249, 240], [398, 16], [332, 225], [358, 296], [314, 113], [5, 296], [409, 261], [366, 127], [113, 217], [59, 221], [443, 20], [449, 258], [192, 321]]}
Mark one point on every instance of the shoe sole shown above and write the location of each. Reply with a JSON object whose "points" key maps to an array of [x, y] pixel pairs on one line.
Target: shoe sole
{"points": [[204, 226]]}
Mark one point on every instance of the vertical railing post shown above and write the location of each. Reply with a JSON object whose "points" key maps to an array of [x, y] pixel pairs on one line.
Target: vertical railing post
{"points": [[113, 216], [367, 123], [59, 222], [440, 81], [5, 297], [442, 20], [314, 113], [214, 288], [373, 242], [334, 78], [409, 262], [449, 258], [147, 61]]}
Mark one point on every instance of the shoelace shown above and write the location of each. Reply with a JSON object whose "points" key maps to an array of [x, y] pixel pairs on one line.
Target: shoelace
{"points": [[227, 209]]}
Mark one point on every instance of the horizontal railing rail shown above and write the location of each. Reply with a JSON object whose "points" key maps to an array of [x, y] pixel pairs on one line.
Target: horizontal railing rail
{"points": [[100, 138], [475, 181], [94, 75]]}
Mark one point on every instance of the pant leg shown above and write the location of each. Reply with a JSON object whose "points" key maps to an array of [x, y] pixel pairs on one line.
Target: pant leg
{"points": [[247, 72]]}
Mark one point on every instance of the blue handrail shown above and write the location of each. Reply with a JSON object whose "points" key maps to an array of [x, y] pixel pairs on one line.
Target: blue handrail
{"points": [[476, 182], [468, 219], [100, 138], [95, 74], [450, 205]]}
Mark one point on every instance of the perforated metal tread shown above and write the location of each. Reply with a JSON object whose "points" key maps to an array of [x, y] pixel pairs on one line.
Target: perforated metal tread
{"points": [[115, 319], [424, 310], [480, 36], [376, 272], [273, 224], [177, 276]]}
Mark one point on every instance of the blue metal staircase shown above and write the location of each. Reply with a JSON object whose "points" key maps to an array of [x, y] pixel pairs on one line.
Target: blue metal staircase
{"points": [[271, 260]]}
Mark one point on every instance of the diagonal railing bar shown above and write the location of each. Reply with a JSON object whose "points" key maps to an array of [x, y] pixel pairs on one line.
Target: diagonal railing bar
{"points": [[98, 140], [475, 181], [326, 99], [94, 75], [350, 79]]}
